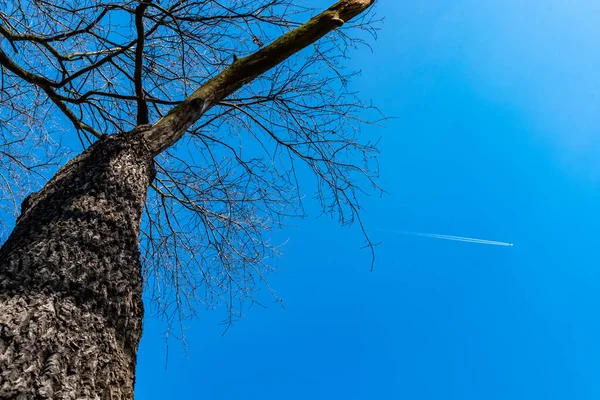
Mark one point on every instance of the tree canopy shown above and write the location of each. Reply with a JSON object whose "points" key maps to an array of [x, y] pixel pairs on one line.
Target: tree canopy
{"points": [[82, 69]]}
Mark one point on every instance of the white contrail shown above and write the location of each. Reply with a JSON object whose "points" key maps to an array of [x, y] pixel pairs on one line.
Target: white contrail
{"points": [[454, 238], [463, 239]]}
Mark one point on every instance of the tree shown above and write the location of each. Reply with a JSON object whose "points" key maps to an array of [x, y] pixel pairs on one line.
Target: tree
{"points": [[131, 78]]}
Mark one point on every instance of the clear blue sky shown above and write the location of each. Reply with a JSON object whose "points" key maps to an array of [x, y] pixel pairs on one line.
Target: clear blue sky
{"points": [[496, 137]]}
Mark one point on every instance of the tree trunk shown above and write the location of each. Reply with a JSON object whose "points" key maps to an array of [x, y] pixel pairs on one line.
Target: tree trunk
{"points": [[70, 283], [70, 280]]}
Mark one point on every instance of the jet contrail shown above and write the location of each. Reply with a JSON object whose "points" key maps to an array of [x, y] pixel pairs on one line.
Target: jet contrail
{"points": [[454, 238]]}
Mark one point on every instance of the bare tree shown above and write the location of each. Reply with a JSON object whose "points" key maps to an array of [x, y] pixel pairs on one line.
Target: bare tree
{"points": [[189, 119]]}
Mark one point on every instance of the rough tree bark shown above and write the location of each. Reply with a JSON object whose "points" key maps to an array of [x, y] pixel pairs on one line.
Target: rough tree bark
{"points": [[70, 282]]}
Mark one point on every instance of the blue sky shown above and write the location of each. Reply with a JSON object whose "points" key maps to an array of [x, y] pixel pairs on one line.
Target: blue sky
{"points": [[497, 108]]}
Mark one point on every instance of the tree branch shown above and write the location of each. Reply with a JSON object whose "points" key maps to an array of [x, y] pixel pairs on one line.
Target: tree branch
{"points": [[142, 111], [172, 127], [47, 86], [59, 37], [13, 67]]}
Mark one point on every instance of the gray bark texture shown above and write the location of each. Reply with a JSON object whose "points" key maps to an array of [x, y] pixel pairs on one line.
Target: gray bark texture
{"points": [[70, 279]]}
